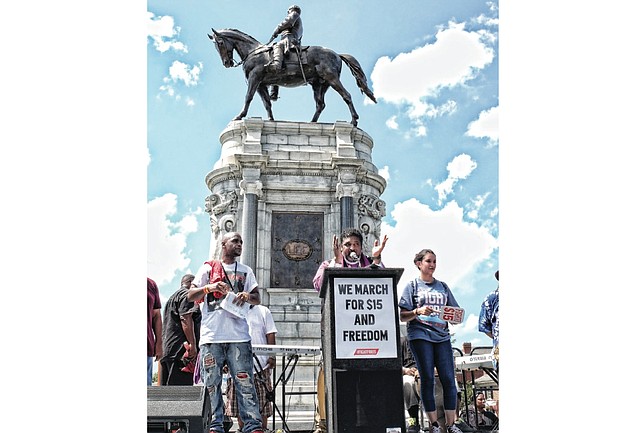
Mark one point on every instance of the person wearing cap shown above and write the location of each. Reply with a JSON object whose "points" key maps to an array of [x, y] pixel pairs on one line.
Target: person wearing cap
{"points": [[181, 330], [488, 320], [291, 31]]}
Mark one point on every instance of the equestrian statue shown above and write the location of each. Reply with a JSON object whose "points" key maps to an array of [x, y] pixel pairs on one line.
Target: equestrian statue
{"points": [[288, 64]]}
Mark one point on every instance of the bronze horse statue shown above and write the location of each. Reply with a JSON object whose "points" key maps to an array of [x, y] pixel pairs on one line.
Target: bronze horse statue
{"points": [[321, 69]]}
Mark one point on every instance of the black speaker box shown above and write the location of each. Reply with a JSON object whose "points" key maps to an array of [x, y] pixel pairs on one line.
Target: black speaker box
{"points": [[178, 409]]}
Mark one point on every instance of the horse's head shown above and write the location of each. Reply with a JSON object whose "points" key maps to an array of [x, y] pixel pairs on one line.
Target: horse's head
{"points": [[224, 47]]}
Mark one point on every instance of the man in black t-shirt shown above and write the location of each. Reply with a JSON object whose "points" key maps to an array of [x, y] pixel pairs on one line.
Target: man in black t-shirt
{"points": [[181, 325]]}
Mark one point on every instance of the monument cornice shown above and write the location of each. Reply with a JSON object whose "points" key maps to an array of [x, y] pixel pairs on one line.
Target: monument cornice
{"points": [[373, 180], [222, 174], [283, 171]]}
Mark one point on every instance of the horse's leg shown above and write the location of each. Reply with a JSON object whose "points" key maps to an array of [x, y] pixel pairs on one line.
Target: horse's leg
{"points": [[263, 91], [334, 81], [252, 86], [319, 98]]}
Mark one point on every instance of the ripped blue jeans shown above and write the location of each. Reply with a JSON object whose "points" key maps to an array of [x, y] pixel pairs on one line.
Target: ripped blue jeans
{"points": [[238, 357]]}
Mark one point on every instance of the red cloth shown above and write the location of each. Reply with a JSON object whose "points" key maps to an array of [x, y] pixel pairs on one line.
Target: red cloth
{"points": [[217, 274], [217, 271]]}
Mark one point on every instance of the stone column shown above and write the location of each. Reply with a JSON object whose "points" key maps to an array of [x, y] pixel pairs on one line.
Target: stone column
{"points": [[251, 189], [346, 189], [347, 165], [250, 162]]}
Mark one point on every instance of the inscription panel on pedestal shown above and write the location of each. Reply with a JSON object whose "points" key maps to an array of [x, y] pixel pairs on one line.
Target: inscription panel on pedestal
{"points": [[296, 248]]}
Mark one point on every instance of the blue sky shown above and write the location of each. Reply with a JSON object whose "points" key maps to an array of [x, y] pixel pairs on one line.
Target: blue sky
{"points": [[433, 67]]}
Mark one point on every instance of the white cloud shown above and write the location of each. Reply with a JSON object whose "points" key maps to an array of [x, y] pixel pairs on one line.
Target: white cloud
{"points": [[163, 31], [391, 123], [460, 245], [180, 71], [167, 89], [412, 78], [459, 168], [473, 208], [487, 125], [385, 173], [167, 239], [447, 108], [487, 21]]}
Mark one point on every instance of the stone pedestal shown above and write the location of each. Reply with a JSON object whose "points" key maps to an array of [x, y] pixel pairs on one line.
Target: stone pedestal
{"points": [[288, 187]]}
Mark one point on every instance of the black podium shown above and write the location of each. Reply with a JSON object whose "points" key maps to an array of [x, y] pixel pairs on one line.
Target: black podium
{"points": [[361, 351]]}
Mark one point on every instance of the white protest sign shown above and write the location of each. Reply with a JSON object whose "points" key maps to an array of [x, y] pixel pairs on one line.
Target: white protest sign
{"points": [[364, 313]]}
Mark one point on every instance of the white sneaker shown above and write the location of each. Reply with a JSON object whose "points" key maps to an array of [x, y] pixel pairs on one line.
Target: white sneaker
{"points": [[453, 429], [433, 429]]}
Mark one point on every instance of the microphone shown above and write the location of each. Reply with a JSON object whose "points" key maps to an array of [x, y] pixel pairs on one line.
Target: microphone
{"points": [[354, 256]]}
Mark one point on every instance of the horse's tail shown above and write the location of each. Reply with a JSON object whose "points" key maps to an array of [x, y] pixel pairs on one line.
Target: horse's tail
{"points": [[358, 73]]}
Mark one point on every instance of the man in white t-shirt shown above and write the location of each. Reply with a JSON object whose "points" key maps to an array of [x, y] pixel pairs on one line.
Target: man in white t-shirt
{"points": [[224, 337]]}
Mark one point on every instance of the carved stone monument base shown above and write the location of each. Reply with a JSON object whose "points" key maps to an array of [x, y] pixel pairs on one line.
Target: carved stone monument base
{"points": [[288, 187]]}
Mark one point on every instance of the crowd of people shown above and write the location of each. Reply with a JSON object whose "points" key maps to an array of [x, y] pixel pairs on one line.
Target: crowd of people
{"points": [[200, 338]]}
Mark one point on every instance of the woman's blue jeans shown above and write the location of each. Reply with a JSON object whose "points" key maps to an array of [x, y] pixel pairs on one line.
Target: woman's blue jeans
{"points": [[429, 356], [238, 357]]}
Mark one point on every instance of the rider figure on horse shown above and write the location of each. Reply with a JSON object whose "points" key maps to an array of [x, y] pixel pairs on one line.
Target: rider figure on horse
{"points": [[290, 30]]}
